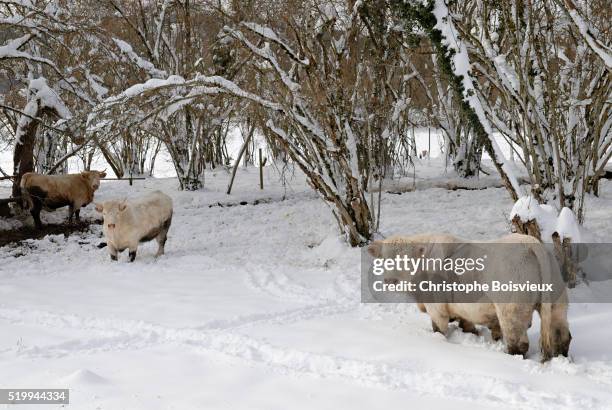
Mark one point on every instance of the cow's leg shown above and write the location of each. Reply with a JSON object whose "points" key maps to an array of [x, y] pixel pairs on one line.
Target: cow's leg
{"points": [[113, 252], [561, 336], [439, 322], [74, 209], [132, 254], [467, 326], [514, 321], [161, 242], [163, 236], [496, 332], [438, 312], [439, 325], [35, 197], [35, 211], [518, 343], [70, 212]]}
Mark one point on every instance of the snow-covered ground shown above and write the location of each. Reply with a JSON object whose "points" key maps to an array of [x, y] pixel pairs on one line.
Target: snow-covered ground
{"points": [[258, 307]]}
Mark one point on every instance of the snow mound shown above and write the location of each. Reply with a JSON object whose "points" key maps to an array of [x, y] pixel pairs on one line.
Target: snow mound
{"points": [[330, 248], [565, 224], [82, 377], [527, 208]]}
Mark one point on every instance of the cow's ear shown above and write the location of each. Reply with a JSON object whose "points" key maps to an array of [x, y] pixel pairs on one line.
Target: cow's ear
{"points": [[375, 249], [102, 174], [99, 207], [122, 206]]}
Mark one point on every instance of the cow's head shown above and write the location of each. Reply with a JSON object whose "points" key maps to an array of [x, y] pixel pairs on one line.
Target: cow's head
{"points": [[93, 178], [392, 248], [111, 211]]}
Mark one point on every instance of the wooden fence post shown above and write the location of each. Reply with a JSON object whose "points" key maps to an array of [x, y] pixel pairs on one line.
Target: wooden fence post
{"points": [[429, 147]]}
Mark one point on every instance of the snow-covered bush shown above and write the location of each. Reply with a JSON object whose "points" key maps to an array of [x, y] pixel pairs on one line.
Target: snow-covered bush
{"points": [[549, 221], [558, 228], [537, 75], [332, 87], [191, 124]]}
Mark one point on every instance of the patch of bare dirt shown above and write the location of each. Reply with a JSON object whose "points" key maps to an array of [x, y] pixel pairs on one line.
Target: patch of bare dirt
{"points": [[29, 232]]}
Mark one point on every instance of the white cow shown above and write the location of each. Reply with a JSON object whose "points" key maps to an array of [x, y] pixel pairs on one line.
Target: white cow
{"points": [[528, 260], [128, 223]]}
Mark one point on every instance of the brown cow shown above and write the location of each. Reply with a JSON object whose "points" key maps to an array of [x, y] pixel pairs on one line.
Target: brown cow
{"points": [[56, 191]]}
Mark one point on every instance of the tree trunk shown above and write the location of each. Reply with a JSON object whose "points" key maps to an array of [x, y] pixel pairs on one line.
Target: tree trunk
{"points": [[23, 157], [240, 154]]}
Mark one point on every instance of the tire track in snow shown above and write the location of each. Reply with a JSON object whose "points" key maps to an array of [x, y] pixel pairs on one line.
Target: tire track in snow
{"points": [[120, 334], [272, 282], [278, 318], [279, 285]]}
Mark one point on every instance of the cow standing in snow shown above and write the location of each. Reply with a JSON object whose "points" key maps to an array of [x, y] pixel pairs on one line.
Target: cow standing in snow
{"points": [[56, 191], [527, 261], [128, 223]]}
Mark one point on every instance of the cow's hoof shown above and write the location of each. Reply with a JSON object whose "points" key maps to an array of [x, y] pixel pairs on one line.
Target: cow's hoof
{"points": [[521, 349]]}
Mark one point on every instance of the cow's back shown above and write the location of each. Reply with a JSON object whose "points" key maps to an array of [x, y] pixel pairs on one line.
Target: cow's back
{"points": [[57, 190], [156, 206]]}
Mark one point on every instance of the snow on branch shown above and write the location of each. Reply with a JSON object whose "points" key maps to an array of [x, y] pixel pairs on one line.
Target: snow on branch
{"points": [[586, 31], [12, 50], [266, 53], [48, 98], [160, 23], [139, 61], [299, 154], [270, 35], [37, 20], [174, 84], [234, 89], [141, 88], [174, 97], [40, 96], [351, 145]]}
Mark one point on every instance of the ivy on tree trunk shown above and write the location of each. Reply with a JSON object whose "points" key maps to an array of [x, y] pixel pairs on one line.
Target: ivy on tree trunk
{"points": [[422, 15]]}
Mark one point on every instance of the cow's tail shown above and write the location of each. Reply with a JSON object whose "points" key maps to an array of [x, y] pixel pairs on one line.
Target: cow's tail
{"points": [[546, 305], [26, 198]]}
